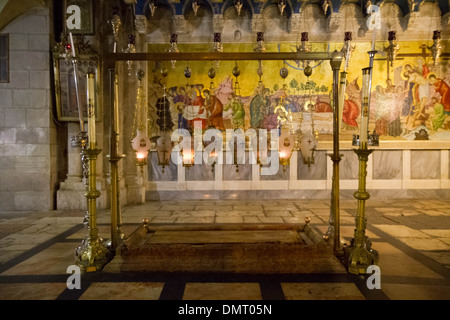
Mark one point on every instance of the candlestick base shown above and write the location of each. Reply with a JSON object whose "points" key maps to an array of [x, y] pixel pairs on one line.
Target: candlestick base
{"points": [[92, 255]]}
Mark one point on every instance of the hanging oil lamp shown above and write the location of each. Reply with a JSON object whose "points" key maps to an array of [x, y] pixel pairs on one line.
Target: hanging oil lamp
{"points": [[437, 46], [347, 48], [236, 72], [261, 47], [211, 75], [115, 24], [130, 49], [173, 47], [392, 49], [141, 143], [217, 46], [303, 47]]}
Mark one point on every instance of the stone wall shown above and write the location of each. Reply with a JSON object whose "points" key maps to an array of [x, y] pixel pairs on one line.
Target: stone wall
{"points": [[28, 146]]}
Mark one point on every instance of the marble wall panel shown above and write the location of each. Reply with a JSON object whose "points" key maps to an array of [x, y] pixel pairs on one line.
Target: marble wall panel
{"points": [[155, 171], [242, 172], [425, 164], [316, 171], [200, 172], [387, 164], [282, 174], [349, 165]]}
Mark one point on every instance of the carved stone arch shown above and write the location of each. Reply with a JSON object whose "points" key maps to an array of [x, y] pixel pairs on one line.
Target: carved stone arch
{"points": [[237, 27], [391, 17], [287, 11], [432, 11], [350, 17], [312, 19], [159, 26], [200, 27], [275, 24]]}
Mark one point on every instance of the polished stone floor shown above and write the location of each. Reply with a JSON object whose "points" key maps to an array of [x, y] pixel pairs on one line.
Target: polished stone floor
{"points": [[411, 236]]}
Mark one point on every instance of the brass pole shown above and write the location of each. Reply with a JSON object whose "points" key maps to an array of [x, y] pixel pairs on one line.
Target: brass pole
{"points": [[335, 157], [114, 158], [196, 56]]}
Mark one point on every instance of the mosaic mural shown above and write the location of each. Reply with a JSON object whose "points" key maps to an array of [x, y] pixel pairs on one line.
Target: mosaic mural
{"points": [[409, 100]]}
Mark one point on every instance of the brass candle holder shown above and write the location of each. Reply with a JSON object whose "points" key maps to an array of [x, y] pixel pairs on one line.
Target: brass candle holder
{"points": [[92, 255], [360, 255]]}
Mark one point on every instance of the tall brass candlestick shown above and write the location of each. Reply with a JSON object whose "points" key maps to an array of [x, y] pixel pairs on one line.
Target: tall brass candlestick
{"points": [[359, 255], [92, 255], [114, 158]]}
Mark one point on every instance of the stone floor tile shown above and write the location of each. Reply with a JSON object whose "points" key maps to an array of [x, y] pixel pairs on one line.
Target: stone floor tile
{"points": [[401, 231], [436, 212], [6, 255], [229, 219], [394, 262], [425, 244], [123, 291], [248, 208], [442, 257], [240, 213], [53, 260], [162, 220], [31, 291], [277, 213], [415, 292], [293, 220], [321, 291], [194, 220], [271, 219], [441, 233], [251, 219], [222, 291]]}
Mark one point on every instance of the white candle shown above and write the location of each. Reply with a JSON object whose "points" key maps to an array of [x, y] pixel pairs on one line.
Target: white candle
{"points": [[72, 45], [373, 39], [116, 104], [364, 126], [91, 110]]}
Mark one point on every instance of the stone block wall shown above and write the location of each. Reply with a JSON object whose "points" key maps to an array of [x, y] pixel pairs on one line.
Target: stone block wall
{"points": [[27, 132]]}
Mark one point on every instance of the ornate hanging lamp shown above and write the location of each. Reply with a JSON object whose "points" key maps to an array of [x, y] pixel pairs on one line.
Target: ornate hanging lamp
{"points": [[116, 23], [236, 72], [436, 48], [131, 48], [217, 47], [140, 143], [392, 49], [261, 47], [173, 47]]}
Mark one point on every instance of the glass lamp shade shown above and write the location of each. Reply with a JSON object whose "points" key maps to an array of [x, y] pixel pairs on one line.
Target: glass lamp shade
{"points": [[141, 145]]}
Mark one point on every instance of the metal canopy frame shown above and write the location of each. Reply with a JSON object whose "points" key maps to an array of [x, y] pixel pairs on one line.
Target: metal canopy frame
{"points": [[110, 61]]}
